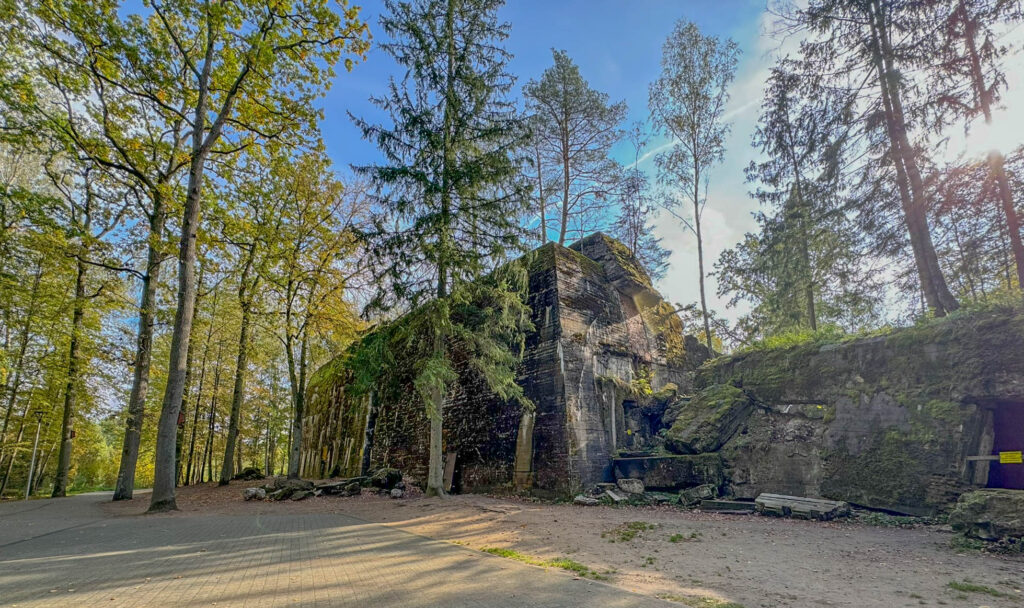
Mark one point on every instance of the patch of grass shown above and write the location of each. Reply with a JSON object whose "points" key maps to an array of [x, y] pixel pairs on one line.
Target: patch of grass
{"points": [[562, 562], [698, 601], [626, 532], [962, 543], [969, 587], [679, 538], [884, 520]]}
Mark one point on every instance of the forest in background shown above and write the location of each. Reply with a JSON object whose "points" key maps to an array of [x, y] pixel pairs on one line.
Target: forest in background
{"points": [[178, 253]]}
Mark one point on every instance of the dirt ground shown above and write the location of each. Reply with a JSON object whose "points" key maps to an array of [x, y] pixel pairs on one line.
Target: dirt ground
{"points": [[684, 556]]}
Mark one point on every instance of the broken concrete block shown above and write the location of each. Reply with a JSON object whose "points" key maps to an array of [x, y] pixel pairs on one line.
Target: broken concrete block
{"points": [[672, 472], [692, 496], [615, 496], [708, 421], [990, 514], [386, 479], [585, 501], [631, 486]]}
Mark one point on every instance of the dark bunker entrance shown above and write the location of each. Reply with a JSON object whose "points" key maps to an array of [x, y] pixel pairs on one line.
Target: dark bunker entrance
{"points": [[1008, 437]]}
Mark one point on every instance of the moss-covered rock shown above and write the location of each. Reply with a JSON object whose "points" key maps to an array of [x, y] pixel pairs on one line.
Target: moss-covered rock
{"points": [[990, 514], [885, 421], [709, 420]]}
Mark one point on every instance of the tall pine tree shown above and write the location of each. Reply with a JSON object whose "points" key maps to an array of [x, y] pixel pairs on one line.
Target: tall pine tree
{"points": [[450, 194]]}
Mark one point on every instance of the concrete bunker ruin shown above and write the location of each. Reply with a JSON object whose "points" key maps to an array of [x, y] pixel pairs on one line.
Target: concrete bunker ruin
{"points": [[905, 421]]}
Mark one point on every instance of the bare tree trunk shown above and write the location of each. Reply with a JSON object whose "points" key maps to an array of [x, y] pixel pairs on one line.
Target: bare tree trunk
{"points": [[936, 291], [298, 407], [61, 482], [245, 298], [143, 356], [995, 158], [435, 471], [37, 479], [208, 446], [237, 396], [179, 439], [14, 451], [202, 140], [1010, 214], [19, 361], [199, 393], [565, 191], [700, 257], [540, 196]]}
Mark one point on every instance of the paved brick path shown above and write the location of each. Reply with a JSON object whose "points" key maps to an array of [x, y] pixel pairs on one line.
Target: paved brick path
{"points": [[68, 552]]}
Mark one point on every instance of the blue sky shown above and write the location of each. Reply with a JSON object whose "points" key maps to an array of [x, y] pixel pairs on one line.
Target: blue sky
{"points": [[617, 46]]}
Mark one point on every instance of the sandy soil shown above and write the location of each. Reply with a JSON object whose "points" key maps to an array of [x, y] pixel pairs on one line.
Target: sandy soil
{"points": [[751, 560]]}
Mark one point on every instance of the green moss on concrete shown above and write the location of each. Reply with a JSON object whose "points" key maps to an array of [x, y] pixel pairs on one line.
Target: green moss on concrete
{"points": [[586, 265], [627, 261], [708, 420], [893, 472]]}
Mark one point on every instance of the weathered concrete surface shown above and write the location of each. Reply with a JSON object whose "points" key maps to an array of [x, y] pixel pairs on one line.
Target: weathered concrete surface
{"points": [[68, 552], [673, 472], [884, 422], [604, 343], [990, 514]]}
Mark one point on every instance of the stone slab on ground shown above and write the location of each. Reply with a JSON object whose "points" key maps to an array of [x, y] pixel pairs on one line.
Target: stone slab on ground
{"points": [[801, 507], [727, 506]]}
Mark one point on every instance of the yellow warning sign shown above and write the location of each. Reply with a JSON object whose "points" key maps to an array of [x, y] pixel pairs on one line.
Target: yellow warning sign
{"points": [[1011, 457]]}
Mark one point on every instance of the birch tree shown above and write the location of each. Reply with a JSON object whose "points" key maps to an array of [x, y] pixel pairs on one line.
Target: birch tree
{"points": [[687, 104]]}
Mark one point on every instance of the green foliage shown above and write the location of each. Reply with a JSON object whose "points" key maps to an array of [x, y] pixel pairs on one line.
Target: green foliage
{"points": [[829, 334], [802, 268], [641, 382], [573, 130], [451, 196]]}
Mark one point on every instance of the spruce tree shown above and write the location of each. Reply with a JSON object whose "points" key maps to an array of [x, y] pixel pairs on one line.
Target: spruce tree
{"points": [[450, 195], [802, 266]]}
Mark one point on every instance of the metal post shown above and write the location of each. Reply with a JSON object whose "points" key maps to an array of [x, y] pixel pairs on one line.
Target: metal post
{"points": [[35, 446]]}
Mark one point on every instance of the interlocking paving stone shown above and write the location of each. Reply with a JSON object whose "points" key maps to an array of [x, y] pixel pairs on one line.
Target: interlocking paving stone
{"points": [[69, 552]]}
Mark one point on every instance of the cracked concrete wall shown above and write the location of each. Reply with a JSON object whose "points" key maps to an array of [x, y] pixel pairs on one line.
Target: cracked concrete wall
{"points": [[602, 335], [885, 422]]}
